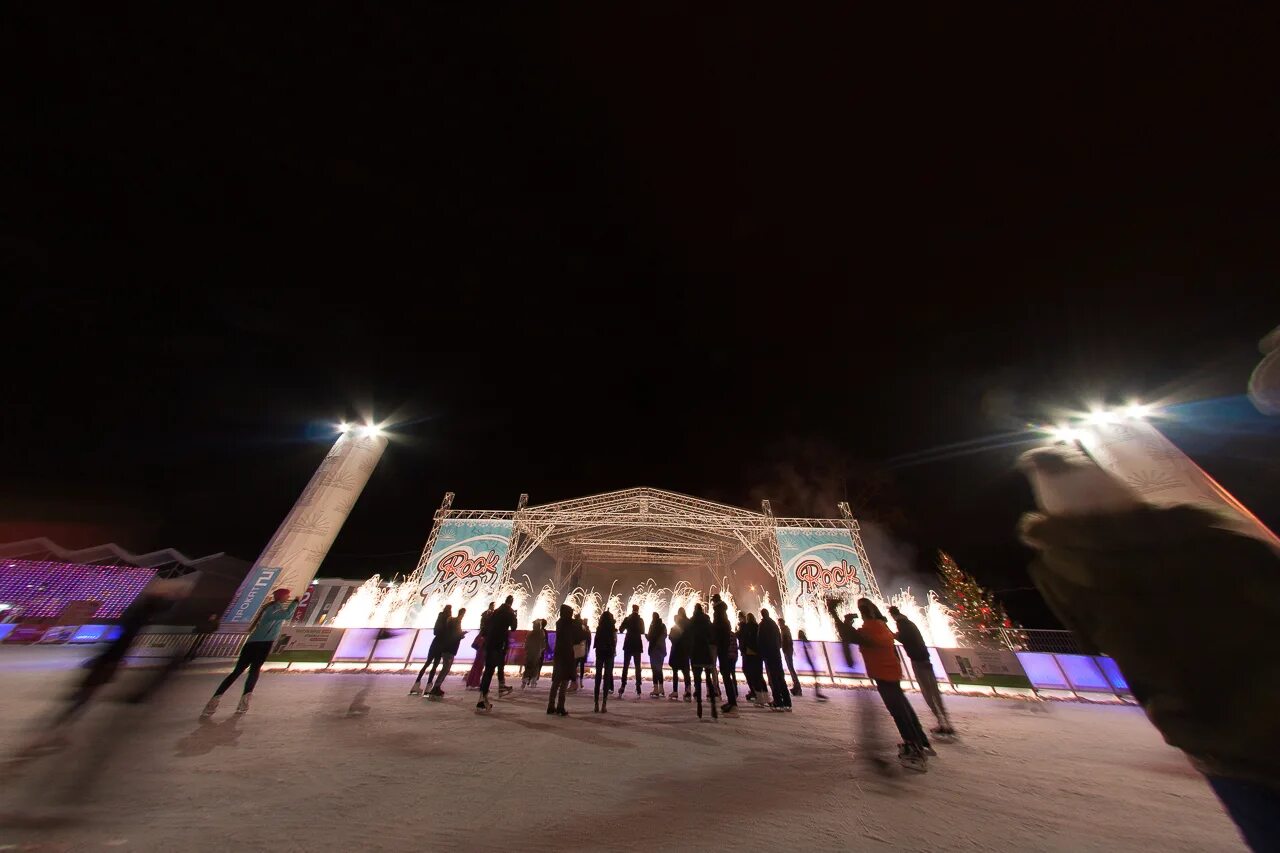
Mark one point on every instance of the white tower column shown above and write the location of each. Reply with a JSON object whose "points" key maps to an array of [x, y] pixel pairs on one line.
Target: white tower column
{"points": [[303, 539], [1139, 455]]}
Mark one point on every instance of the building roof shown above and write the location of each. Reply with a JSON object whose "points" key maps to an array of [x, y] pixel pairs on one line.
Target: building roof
{"points": [[165, 560]]}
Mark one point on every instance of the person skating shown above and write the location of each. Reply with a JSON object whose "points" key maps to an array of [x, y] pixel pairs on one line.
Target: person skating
{"points": [[808, 658], [632, 646], [657, 640], [909, 635], [472, 681], [499, 628], [875, 640], [606, 647], [580, 652], [702, 656], [770, 647], [534, 645], [726, 645], [453, 635], [788, 653], [680, 656], [433, 651], [262, 634], [752, 664], [568, 632]]}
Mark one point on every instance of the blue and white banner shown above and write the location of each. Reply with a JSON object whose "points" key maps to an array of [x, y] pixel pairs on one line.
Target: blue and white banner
{"points": [[819, 562], [468, 555], [252, 594]]}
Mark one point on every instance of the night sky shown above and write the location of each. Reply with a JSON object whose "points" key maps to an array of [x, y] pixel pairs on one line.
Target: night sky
{"points": [[733, 255]]}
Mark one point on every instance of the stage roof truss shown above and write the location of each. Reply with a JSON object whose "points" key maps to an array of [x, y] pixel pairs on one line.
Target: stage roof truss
{"points": [[646, 526]]}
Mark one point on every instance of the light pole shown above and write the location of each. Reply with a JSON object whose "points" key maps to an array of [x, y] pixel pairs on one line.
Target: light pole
{"points": [[300, 544], [1125, 443]]}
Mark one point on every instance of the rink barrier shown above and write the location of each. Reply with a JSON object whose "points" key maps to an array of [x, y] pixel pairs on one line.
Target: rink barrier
{"points": [[1095, 677]]}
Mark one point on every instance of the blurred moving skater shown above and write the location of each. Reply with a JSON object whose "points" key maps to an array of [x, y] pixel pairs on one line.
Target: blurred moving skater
{"points": [[808, 659], [477, 665], [788, 652], [909, 635], [263, 632], [1118, 573], [876, 642]]}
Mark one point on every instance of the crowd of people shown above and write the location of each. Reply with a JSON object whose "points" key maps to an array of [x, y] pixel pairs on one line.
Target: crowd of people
{"points": [[696, 648]]}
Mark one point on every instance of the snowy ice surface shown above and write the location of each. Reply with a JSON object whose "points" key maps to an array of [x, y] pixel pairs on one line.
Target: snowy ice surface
{"points": [[296, 773]]}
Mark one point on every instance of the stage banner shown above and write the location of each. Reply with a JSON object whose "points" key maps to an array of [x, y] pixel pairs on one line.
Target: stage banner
{"points": [[819, 562], [251, 595], [469, 556], [305, 645], [989, 667]]}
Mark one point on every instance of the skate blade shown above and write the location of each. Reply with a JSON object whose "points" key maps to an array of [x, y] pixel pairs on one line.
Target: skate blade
{"points": [[914, 764]]}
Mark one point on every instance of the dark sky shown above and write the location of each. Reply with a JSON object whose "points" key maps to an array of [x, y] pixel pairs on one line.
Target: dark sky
{"points": [[739, 255]]}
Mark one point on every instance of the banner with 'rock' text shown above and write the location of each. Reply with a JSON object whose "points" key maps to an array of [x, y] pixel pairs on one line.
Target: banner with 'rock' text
{"points": [[820, 562], [469, 556]]}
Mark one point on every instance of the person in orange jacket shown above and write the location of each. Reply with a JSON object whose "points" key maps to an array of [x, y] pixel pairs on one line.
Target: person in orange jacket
{"points": [[875, 640]]}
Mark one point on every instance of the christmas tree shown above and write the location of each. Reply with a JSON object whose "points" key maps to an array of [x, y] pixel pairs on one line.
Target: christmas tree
{"points": [[976, 617]]}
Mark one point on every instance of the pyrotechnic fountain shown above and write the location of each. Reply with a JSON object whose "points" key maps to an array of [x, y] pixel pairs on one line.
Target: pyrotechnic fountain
{"points": [[399, 605]]}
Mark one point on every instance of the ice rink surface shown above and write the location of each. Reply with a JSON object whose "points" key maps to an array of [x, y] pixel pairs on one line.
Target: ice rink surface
{"points": [[297, 773]]}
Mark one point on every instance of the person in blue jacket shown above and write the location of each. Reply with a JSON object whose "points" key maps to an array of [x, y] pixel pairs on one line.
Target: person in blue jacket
{"points": [[262, 635]]}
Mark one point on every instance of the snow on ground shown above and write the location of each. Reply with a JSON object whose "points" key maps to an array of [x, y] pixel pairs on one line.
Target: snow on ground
{"points": [[297, 774]]}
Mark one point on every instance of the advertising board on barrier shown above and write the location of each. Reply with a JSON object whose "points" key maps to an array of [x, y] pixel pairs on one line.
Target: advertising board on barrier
{"points": [[470, 555], [305, 645], [989, 667], [819, 562]]}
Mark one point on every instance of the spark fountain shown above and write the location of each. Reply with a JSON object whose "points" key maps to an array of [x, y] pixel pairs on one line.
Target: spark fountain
{"points": [[399, 605]]}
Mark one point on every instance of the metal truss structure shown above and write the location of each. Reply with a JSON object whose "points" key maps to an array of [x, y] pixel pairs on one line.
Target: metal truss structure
{"points": [[645, 526]]}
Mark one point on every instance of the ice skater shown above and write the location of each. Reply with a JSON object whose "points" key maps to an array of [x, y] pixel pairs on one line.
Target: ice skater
{"points": [[909, 635], [788, 652], [680, 657], [657, 639], [580, 655], [876, 643], [453, 634], [477, 665], [770, 646], [433, 651], [535, 645], [726, 645], [808, 659], [752, 663], [606, 648], [263, 632], [702, 657], [632, 646], [569, 631], [499, 628]]}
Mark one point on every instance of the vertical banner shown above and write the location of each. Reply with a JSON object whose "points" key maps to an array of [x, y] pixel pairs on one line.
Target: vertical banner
{"points": [[251, 595], [820, 562], [469, 557]]}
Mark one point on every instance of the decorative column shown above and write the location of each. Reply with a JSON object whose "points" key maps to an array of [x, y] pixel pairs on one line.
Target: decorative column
{"points": [[299, 546], [1139, 455]]}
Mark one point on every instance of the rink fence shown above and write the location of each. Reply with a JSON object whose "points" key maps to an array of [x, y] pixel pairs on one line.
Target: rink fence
{"points": [[1053, 674]]}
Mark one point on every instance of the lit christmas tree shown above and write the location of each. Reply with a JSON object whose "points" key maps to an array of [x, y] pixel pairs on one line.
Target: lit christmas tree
{"points": [[976, 617]]}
